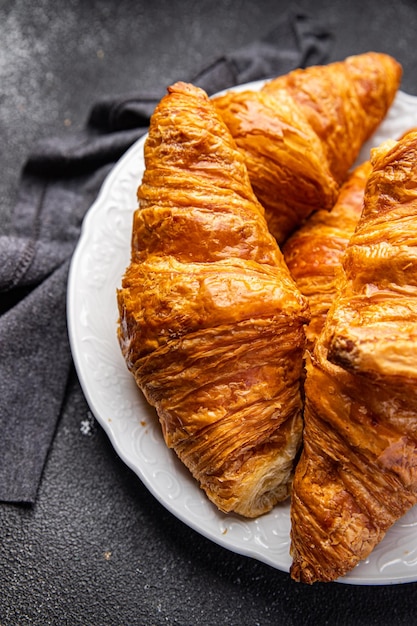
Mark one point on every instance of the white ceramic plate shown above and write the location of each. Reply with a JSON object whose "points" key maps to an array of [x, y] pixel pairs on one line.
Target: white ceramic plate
{"points": [[97, 266]]}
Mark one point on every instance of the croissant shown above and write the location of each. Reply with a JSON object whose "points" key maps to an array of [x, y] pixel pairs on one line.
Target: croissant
{"points": [[211, 322], [313, 252], [303, 131], [357, 473]]}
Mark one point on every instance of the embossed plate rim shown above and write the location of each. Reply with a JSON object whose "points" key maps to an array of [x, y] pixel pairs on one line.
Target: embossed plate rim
{"points": [[97, 265]]}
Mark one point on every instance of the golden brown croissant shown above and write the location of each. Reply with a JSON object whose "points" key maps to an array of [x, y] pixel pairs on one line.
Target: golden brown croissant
{"points": [[211, 322], [302, 132], [313, 252], [358, 470]]}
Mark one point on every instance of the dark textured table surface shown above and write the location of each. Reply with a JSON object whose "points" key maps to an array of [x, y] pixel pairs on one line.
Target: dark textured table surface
{"points": [[96, 548]]}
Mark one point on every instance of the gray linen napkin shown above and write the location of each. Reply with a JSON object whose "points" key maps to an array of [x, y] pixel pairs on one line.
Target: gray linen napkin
{"points": [[59, 183]]}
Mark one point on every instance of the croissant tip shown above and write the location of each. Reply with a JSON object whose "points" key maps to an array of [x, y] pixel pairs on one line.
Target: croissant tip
{"points": [[183, 87]]}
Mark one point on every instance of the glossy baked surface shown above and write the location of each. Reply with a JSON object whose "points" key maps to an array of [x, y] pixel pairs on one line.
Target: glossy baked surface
{"points": [[211, 322], [302, 132], [313, 253], [358, 470]]}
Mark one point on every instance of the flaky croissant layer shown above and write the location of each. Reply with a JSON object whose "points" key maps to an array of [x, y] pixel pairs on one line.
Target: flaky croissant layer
{"points": [[301, 133], [313, 253], [211, 322], [358, 470]]}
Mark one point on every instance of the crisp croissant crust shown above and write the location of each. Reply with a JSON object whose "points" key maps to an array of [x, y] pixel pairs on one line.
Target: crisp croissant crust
{"points": [[211, 322], [303, 131], [358, 470], [313, 253]]}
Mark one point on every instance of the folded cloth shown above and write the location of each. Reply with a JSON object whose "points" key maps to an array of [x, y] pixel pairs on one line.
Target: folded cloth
{"points": [[59, 183]]}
